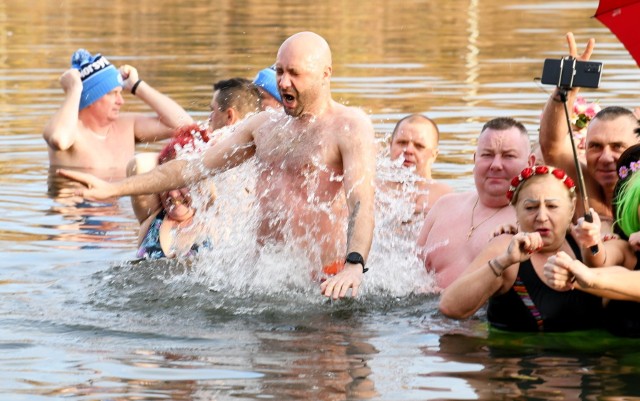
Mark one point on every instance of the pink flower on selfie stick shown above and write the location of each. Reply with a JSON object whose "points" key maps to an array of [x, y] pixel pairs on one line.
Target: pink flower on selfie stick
{"points": [[584, 112]]}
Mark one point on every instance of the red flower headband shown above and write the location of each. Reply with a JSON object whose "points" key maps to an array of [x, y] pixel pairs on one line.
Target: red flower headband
{"points": [[182, 137], [538, 170]]}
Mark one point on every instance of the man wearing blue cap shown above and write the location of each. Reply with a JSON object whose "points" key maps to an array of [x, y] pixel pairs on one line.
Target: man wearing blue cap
{"points": [[88, 131], [266, 82]]}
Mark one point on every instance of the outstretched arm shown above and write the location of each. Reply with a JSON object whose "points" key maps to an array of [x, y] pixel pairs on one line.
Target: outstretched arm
{"points": [[170, 115], [615, 282], [555, 144], [358, 158], [62, 129], [226, 153]]}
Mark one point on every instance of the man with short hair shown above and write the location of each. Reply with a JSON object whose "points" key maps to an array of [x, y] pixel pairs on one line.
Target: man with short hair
{"points": [[233, 99], [309, 160], [88, 131], [459, 225], [609, 133], [415, 140]]}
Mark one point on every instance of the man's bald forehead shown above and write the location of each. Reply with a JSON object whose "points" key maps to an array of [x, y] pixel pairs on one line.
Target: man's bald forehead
{"points": [[308, 44], [417, 119]]}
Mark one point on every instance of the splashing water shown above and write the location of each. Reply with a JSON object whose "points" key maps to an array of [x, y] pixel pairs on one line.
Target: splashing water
{"points": [[302, 221], [395, 252]]}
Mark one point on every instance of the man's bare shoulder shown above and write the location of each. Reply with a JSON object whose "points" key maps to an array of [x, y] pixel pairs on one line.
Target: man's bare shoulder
{"points": [[446, 206], [124, 125], [354, 117], [439, 188], [452, 200], [261, 122]]}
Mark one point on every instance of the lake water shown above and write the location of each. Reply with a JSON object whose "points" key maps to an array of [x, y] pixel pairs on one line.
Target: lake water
{"points": [[79, 320]]}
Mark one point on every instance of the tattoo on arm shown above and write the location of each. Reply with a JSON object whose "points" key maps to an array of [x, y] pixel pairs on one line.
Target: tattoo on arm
{"points": [[352, 223]]}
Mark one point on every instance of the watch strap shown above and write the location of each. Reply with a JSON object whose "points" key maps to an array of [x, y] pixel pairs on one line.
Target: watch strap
{"points": [[355, 258]]}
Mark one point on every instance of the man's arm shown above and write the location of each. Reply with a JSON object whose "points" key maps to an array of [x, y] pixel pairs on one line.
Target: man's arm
{"points": [[555, 143], [170, 115], [359, 162], [562, 272], [224, 154], [62, 129]]}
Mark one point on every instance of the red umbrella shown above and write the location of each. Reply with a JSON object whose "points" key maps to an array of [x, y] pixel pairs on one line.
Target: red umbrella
{"points": [[622, 17]]}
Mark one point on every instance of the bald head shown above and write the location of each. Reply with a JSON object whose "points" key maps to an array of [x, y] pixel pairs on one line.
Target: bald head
{"points": [[310, 49]]}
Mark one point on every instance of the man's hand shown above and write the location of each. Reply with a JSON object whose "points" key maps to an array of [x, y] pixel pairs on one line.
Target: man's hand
{"points": [[70, 79], [507, 228], [587, 234], [129, 75], [573, 49], [634, 241], [557, 272], [96, 189], [337, 286]]}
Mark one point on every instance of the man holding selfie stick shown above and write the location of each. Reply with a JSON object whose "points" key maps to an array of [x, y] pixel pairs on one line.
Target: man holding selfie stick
{"points": [[610, 132]]}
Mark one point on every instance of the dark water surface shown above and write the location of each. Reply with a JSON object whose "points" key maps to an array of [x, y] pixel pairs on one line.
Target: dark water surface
{"points": [[78, 320]]}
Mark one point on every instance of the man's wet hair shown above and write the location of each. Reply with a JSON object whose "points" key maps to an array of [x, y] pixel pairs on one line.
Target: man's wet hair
{"points": [[610, 113], [414, 118], [238, 93], [504, 123]]}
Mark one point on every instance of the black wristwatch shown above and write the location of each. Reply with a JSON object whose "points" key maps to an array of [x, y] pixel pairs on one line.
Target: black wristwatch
{"points": [[355, 258]]}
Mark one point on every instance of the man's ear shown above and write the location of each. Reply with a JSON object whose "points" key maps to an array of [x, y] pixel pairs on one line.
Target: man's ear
{"points": [[532, 160], [328, 70], [232, 116]]}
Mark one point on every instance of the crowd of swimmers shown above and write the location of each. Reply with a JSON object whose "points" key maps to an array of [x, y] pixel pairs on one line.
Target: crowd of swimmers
{"points": [[518, 243]]}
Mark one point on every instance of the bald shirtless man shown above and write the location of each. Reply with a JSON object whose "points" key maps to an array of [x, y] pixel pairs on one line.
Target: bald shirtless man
{"points": [[88, 131], [306, 158], [415, 140], [459, 225], [610, 132]]}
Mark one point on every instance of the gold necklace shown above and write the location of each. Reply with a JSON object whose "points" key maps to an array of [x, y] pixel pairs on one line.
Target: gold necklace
{"points": [[473, 228]]}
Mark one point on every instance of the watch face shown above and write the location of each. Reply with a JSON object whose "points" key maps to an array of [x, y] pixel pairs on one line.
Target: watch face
{"points": [[355, 258]]}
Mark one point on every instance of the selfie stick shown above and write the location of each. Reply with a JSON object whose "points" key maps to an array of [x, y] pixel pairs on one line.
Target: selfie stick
{"points": [[581, 187]]}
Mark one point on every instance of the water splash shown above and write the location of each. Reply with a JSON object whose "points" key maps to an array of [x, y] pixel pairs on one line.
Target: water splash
{"points": [[281, 255]]}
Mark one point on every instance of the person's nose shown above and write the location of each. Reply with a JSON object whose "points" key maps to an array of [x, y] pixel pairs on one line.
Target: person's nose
{"points": [[496, 163], [543, 214], [284, 80], [410, 149], [607, 155]]}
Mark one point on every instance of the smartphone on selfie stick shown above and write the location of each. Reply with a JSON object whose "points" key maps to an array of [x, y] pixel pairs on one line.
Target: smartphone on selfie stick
{"points": [[567, 73]]}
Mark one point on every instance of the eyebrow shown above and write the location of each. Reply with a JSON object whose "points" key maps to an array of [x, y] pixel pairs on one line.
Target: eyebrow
{"points": [[537, 201]]}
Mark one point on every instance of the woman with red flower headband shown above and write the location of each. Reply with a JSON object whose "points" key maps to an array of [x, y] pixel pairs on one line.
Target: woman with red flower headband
{"points": [[620, 280], [508, 274], [165, 218]]}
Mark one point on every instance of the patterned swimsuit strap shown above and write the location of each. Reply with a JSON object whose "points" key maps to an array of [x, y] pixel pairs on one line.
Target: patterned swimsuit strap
{"points": [[522, 292]]}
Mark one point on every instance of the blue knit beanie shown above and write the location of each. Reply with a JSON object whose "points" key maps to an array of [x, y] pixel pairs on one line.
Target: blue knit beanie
{"points": [[266, 79], [98, 75]]}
